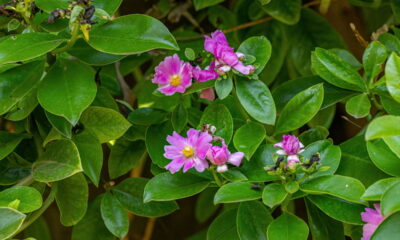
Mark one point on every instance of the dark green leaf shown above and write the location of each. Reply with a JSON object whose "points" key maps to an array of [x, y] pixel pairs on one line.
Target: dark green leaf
{"points": [[248, 137], [114, 215], [219, 116], [236, 192], [205, 207], [287, 11], [60, 124], [274, 194], [258, 47], [383, 157], [156, 140], [147, 116], [376, 190], [252, 221], [200, 4], [223, 87], [224, 227], [388, 229], [287, 227], [179, 118], [375, 54], [8, 142], [390, 200]]}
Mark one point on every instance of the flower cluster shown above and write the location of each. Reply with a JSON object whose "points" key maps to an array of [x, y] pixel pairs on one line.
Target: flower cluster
{"points": [[290, 147], [372, 217], [195, 149], [174, 75]]}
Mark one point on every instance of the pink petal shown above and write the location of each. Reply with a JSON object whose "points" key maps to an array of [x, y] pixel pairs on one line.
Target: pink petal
{"points": [[280, 144], [177, 140], [188, 165], [293, 158], [200, 164], [208, 94], [175, 165], [222, 168], [246, 70], [220, 37], [236, 158]]}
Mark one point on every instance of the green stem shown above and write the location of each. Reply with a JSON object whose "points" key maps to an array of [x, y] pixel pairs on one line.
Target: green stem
{"points": [[34, 216], [216, 178], [28, 180], [375, 102], [285, 203], [71, 41]]}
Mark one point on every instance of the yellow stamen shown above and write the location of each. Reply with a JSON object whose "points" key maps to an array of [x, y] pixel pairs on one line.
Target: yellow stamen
{"points": [[188, 151], [175, 80]]}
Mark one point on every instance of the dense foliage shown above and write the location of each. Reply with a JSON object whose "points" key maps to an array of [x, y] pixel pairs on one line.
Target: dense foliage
{"points": [[110, 115]]}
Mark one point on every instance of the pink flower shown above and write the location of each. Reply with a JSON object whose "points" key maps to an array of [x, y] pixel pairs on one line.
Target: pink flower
{"points": [[373, 217], [173, 75], [188, 152], [208, 94], [225, 56], [207, 74], [291, 146], [219, 156]]}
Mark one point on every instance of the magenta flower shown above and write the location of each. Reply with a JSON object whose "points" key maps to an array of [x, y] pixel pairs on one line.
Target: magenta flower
{"points": [[219, 156], [188, 152], [291, 146], [173, 75], [373, 217], [225, 56], [207, 74]]}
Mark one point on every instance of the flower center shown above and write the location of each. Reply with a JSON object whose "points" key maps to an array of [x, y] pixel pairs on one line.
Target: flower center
{"points": [[188, 151], [175, 80]]}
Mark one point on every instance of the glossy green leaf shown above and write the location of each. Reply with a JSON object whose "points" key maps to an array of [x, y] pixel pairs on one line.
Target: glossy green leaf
{"points": [[200, 4], [91, 154], [358, 106], [8, 142], [198, 86], [338, 209], [256, 99], [223, 87], [67, 89], [376, 190], [252, 221], [287, 227], [373, 58], [248, 137], [224, 227], [391, 42], [117, 36], [156, 136], [254, 169], [130, 194], [10, 221], [179, 118], [383, 157], [392, 71], [22, 47], [110, 6], [236, 192], [72, 197], [16, 83], [29, 198], [51, 5], [165, 186], [60, 160], [105, 123], [285, 11], [60, 124], [336, 71], [258, 47], [39, 230], [114, 215], [104, 99], [124, 156], [24, 107], [219, 116], [300, 109], [390, 200], [388, 229], [147, 116], [274, 194]]}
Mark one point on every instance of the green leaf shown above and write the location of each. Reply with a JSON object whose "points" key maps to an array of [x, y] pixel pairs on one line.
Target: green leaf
{"points": [[392, 71], [300, 109], [147, 116], [338, 209], [373, 58], [179, 118], [205, 207], [10, 221], [198, 86], [29, 198], [224, 227], [248, 137], [109, 6], [8, 142], [51, 5], [200, 4], [17, 83], [274, 194], [219, 116], [383, 157], [376, 190], [358, 106], [114, 215], [124, 156], [39, 230], [165, 186], [287, 11], [366, 3], [105, 123], [130, 194], [388, 229], [237, 192], [60, 124], [156, 136], [91, 154], [72, 197], [252, 221], [27, 46], [336, 71], [258, 47], [60, 160], [223, 87], [92, 227], [117, 36], [24, 107], [67, 89], [257, 100], [322, 226], [287, 227], [390, 200]]}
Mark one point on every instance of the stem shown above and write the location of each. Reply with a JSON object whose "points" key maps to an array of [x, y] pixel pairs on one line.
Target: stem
{"points": [[149, 229], [375, 102], [28, 180], [216, 178], [324, 6], [34, 216], [286, 202], [71, 41]]}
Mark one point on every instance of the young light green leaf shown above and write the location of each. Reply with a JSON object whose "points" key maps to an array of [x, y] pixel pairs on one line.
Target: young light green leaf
{"points": [[383, 157], [376, 190], [384, 126], [258, 47], [10, 221], [223, 87], [390, 200], [236, 192], [358, 106], [388, 228], [374, 56], [274, 194], [29, 198], [392, 71]]}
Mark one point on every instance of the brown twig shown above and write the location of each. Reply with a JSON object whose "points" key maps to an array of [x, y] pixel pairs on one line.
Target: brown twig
{"points": [[245, 25], [126, 91], [149, 228], [358, 36]]}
